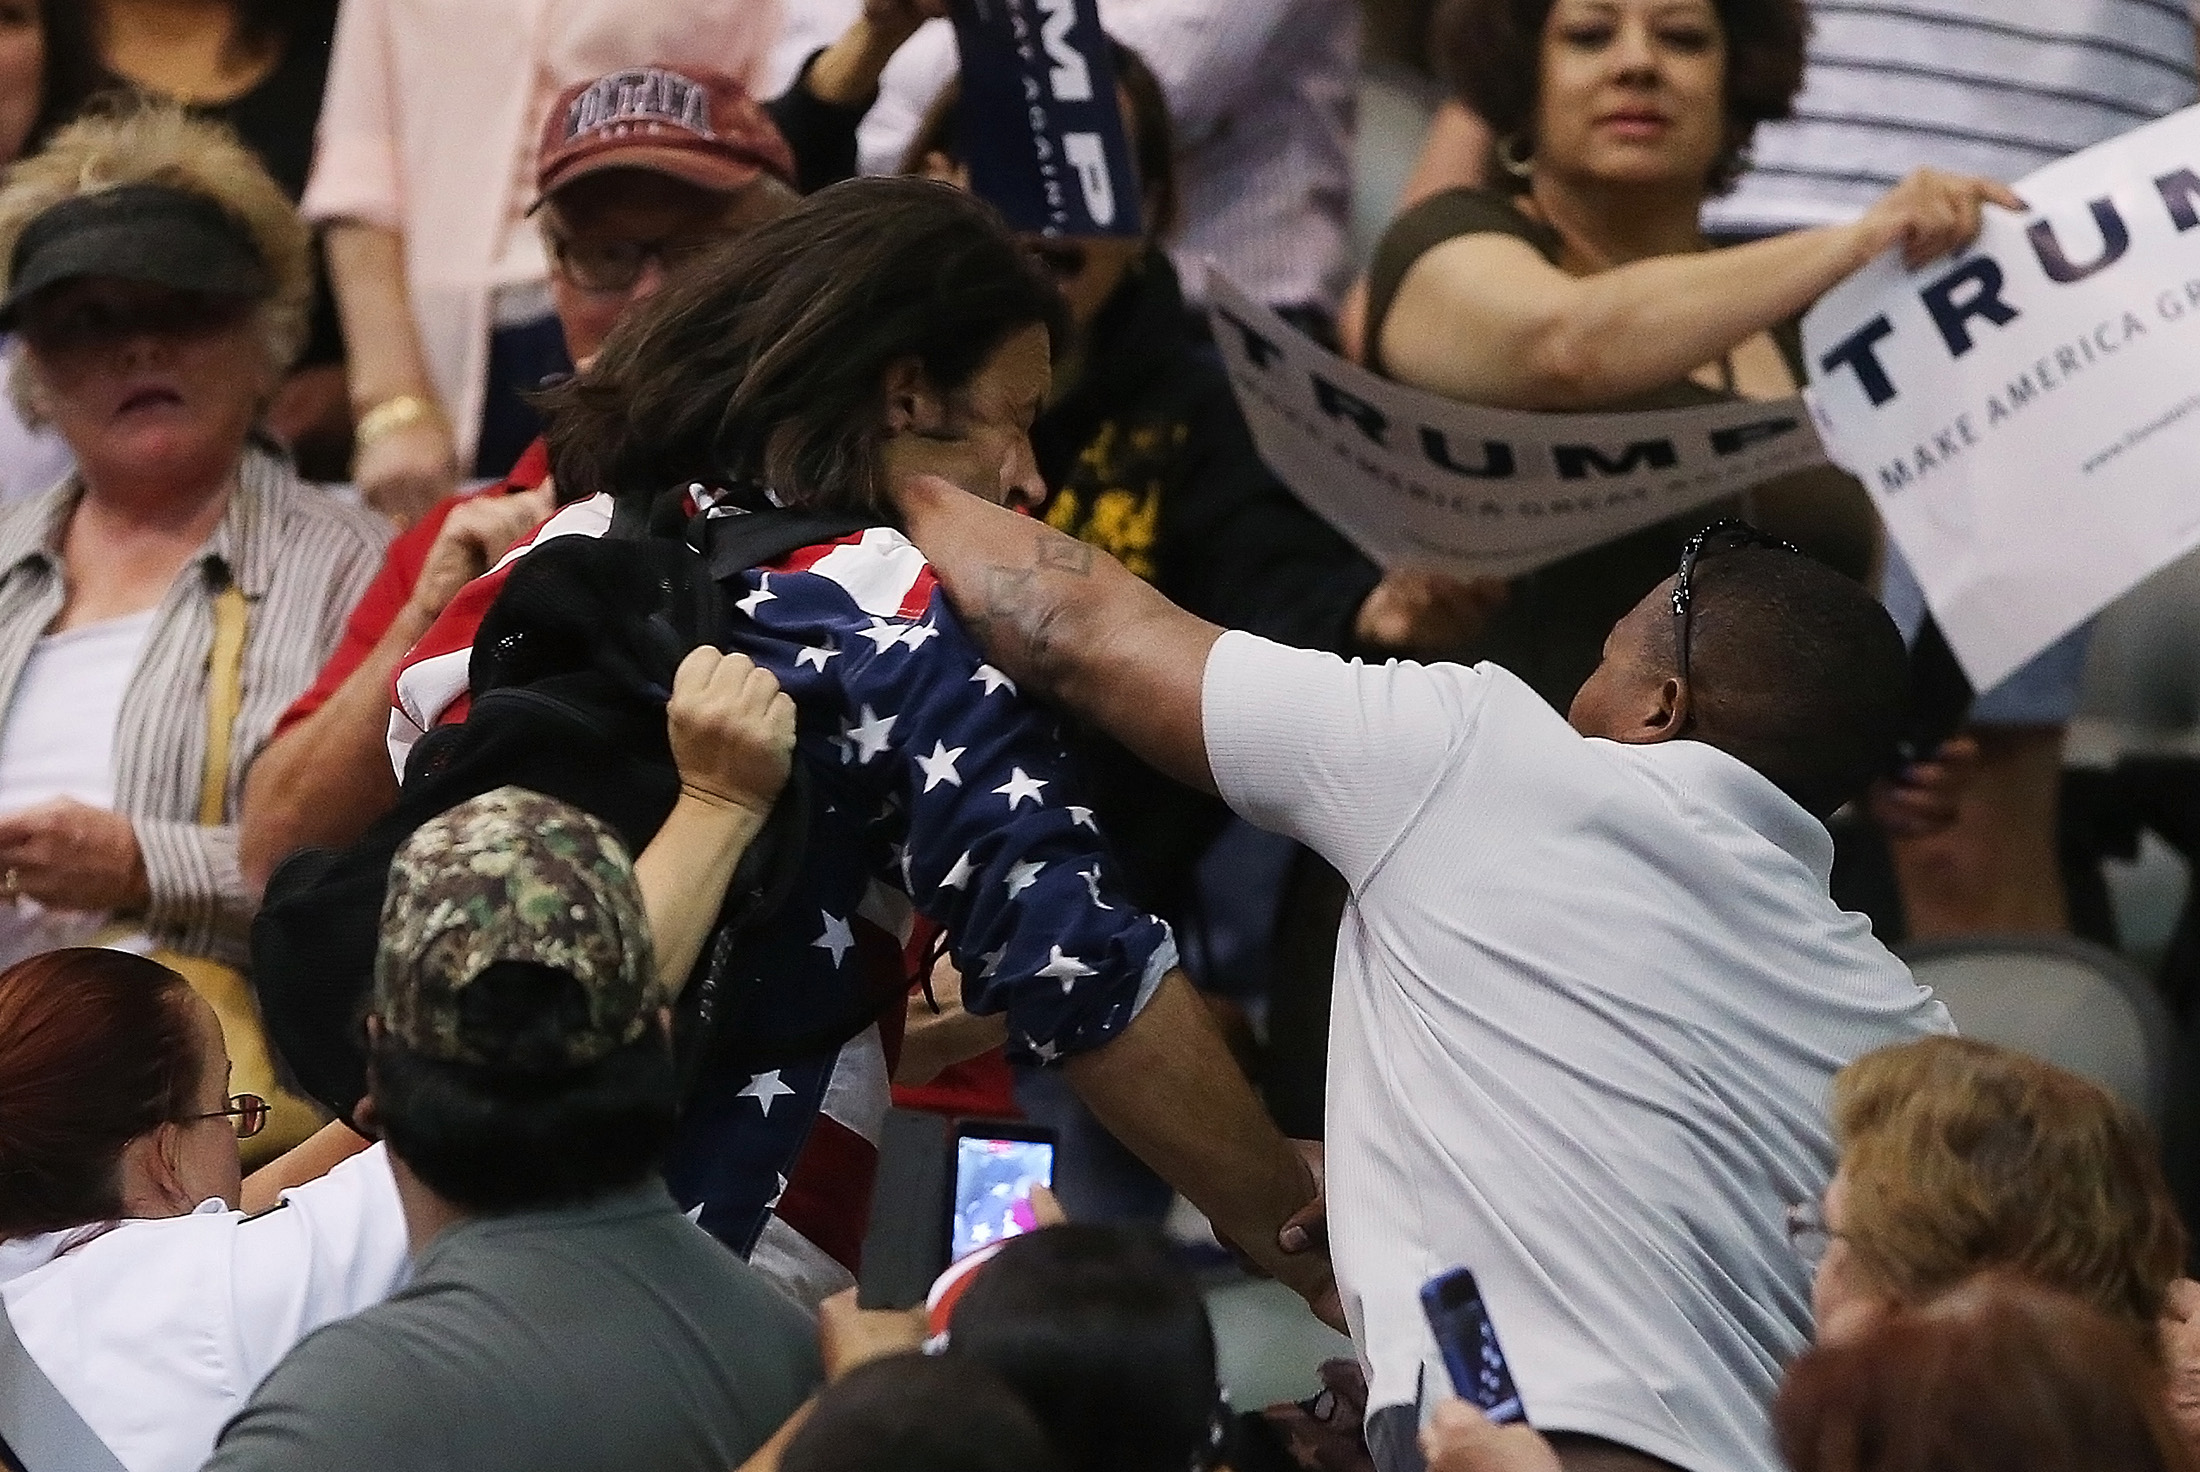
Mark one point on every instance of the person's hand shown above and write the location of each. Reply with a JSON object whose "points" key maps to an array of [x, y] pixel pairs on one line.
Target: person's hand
{"points": [[2180, 1331], [934, 1041], [1426, 612], [1462, 1439], [472, 538], [69, 856], [1308, 1227], [732, 731], [1931, 214], [848, 1337], [407, 470], [1926, 797]]}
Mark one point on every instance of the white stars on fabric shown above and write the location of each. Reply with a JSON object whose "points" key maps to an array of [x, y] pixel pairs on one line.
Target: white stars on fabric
{"points": [[1020, 785], [760, 597], [992, 679], [838, 938], [766, 1089], [916, 636], [887, 635], [1067, 970], [861, 742], [1082, 818], [940, 765], [992, 960], [816, 655], [1092, 882], [1022, 876], [959, 876], [1046, 1052]]}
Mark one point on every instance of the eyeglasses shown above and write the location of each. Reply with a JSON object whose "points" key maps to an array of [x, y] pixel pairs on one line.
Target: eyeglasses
{"points": [[250, 1112], [1808, 1233], [615, 265], [1725, 535]]}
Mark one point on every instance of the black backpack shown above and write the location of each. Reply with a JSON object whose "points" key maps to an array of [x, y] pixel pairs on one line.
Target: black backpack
{"points": [[569, 677]]}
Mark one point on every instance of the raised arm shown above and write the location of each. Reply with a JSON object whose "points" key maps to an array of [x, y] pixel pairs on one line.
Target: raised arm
{"points": [[1067, 619], [1486, 319]]}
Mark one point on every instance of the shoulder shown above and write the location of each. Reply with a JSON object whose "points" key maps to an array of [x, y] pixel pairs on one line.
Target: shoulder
{"points": [[311, 512], [1455, 212], [353, 1393], [878, 570]]}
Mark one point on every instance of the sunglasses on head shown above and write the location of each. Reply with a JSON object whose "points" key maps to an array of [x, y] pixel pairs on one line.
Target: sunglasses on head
{"points": [[1728, 534]]}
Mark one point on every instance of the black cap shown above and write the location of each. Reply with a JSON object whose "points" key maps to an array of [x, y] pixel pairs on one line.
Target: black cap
{"points": [[139, 232]]}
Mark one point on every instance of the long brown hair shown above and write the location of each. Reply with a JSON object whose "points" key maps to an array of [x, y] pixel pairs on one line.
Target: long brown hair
{"points": [[96, 1048], [764, 363], [1998, 1374]]}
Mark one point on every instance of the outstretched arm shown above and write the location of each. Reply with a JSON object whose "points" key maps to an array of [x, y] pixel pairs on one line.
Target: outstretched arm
{"points": [[1067, 619]]}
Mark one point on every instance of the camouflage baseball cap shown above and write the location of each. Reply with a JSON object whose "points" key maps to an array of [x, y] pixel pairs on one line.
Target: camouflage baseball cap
{"points": [[513, 876]]}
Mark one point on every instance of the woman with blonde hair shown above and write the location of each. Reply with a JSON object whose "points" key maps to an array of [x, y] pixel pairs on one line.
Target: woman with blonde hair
{"points": [[1958, 1156], [160, 606]]}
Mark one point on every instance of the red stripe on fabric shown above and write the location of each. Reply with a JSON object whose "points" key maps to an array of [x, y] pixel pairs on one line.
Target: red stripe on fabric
{"points": [[802, 559], [919, 597], [828, 1199]]}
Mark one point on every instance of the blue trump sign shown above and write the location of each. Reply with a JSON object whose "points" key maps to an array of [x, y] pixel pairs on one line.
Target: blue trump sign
{"points": [[1039, 123]]}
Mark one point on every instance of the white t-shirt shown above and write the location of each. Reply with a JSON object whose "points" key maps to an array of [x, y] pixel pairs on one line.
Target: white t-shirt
{"points": [[57, 741], [1589, 1002], [1991, 87], [158, 1331]]}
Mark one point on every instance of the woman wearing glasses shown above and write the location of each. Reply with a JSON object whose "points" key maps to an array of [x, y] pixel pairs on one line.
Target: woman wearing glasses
{"points": [[140, 1291]]}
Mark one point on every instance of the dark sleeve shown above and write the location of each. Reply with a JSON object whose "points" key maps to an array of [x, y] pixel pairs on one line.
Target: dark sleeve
{"points": [[822, 135], [1440, 217], [1242, 551]]}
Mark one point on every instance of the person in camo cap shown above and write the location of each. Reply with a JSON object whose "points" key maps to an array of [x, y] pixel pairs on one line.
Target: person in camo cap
{"points": [[514, 878], [563, 1312]]}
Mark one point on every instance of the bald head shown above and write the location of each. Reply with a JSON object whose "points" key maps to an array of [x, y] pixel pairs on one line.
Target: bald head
{"points": [[1794, 670]]}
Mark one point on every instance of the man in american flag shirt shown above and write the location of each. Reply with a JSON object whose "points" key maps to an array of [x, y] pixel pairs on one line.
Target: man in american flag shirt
{"points": [[943, 802]]}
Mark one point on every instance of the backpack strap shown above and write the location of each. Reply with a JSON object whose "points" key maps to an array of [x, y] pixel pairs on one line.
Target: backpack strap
{"points": [[38, 1426], [732, 540]]}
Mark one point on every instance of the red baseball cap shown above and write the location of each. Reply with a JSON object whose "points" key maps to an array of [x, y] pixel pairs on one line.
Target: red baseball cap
{"points": [[696, 125]]}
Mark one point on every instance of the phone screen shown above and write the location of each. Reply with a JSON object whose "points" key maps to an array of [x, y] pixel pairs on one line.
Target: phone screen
{"points": [[1468, 1340], [993, 1181]]}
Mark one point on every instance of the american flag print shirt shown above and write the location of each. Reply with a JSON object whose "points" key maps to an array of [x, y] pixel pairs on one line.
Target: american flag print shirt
{"points": [[942, 800]]}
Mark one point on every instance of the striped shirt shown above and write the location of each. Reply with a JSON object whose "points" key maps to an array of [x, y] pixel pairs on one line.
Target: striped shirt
{"points": [[1991, 87], [302, 558], [1262, 94]]}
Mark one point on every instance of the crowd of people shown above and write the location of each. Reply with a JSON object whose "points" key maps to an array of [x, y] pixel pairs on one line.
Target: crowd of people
{"points": [[581, 618]]}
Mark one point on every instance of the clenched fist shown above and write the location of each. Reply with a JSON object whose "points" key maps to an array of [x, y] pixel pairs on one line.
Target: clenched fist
{"points": [[732, 731]]}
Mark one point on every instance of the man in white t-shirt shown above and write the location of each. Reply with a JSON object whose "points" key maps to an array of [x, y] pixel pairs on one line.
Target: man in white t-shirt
{"points": [[1591, 991]]}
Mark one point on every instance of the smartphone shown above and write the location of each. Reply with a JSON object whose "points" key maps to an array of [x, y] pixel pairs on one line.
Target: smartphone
{"points": [[1468, 1340], [994, 1164]]}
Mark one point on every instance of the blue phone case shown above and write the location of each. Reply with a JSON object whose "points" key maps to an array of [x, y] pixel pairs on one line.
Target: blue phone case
{"points": [[1468, 1340]]}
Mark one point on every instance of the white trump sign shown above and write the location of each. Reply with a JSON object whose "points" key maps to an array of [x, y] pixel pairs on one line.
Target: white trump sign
{"points": [[1421, 481], [2026, 414]]}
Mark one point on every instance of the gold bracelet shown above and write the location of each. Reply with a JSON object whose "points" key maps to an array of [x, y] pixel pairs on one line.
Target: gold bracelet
{"points": [[392, 415]]}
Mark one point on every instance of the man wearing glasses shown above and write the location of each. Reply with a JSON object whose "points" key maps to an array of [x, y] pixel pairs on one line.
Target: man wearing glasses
{"points": [[636, 172], [1591, 991]]}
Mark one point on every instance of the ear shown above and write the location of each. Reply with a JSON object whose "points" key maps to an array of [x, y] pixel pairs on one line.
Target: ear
{"points": [[913, 405], [149, 1174], [1661, 715]]}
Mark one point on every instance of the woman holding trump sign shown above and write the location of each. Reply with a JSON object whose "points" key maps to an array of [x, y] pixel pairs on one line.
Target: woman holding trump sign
{"points": [[1583, 280]]}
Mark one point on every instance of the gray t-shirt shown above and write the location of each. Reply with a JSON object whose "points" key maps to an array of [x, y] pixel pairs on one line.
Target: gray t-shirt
{"points": [[1590, 1000], [617, 1335]]}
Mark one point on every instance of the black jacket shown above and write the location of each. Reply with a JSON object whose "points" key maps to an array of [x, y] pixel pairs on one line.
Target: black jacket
{"points": [[1150, 460]]}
